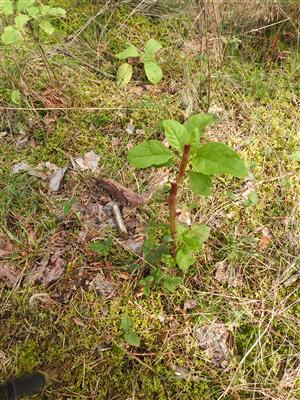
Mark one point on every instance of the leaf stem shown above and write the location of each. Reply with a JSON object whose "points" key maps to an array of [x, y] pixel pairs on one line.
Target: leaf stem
{"points": [[172, 199]]}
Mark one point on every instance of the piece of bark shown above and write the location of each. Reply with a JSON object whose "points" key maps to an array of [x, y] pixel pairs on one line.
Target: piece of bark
{"points": [[119, 192]]}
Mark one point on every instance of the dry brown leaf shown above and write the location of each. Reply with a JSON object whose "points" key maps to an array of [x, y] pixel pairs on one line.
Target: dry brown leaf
{"points": [[89, 161], [190, 304], [214, 339], [9, 276], [5, 247], [121, 193], [24, 167], [49, 270], [102, 286], [222, 272], [265, 239]]}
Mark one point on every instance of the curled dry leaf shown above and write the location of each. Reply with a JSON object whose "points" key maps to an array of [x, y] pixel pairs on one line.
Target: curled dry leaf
{"points": [[5, 247], [49, 270], [102, 286], [24, 167], [88, 162], [121, 193], [184, 373], [214, 339], [222, 272], [9, 276], [56, 179], [43, 299], [190, 304]]}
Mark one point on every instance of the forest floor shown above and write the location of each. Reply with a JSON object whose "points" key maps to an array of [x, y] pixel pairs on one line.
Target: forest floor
{"points": [[231, 329]]}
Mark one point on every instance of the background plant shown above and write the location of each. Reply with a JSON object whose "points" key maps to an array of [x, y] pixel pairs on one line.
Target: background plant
{"points": [[152, 69], [27, 16], [203, 161]]}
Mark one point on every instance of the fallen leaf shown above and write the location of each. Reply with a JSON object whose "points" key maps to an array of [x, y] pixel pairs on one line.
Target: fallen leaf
{"points": [[43, 298], [222, 272], [184, 217], [102, 286], [135, 244], [130, 129], [137, 90], [89, 161], [56, 179], [49, 270], [265, 238], [121, 193], [78, 322], [190, 304], [214, 339], [24, 167], [184, 373], [5, 247], [9, 276]]}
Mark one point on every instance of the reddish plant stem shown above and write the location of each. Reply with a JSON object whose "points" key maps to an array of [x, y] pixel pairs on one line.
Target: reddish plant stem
{"points": [[172, 200]]}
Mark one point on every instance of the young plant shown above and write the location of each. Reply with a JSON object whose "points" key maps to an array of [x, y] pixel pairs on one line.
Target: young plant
{"points": [[152, 69], [203, 161], [129, 335], [28, 16]]}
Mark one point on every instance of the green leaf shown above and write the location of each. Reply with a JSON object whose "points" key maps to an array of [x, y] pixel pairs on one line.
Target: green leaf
{"points": [[126, 322], [171, 283], [57, 12], [132, 338], [130, 51], [21, 20], [147, 57], [153, 72], [11, 35], [216, 158], [184, 259], [200, 183], [195, 126], [295, 156], [176, 133], [152, 46], [146, 283], [47, 27], [69, 205], [6, 7], [157, 274], [45, 10], [15, 97], [152, 152], [251, 199], [124, 74], [33, 12], [101, 247], [194, 237], [24, 4]]}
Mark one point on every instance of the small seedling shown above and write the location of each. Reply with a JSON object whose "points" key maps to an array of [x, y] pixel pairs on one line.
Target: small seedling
{"points": [[101, 247], [129, 335], [152, 69], [68, 205], [15, 97], [28, 16], [203, 162]]}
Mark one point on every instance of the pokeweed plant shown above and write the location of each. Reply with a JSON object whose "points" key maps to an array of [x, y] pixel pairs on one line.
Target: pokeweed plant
{"points": [[203, 161], [152, 69], [28, 16]]}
